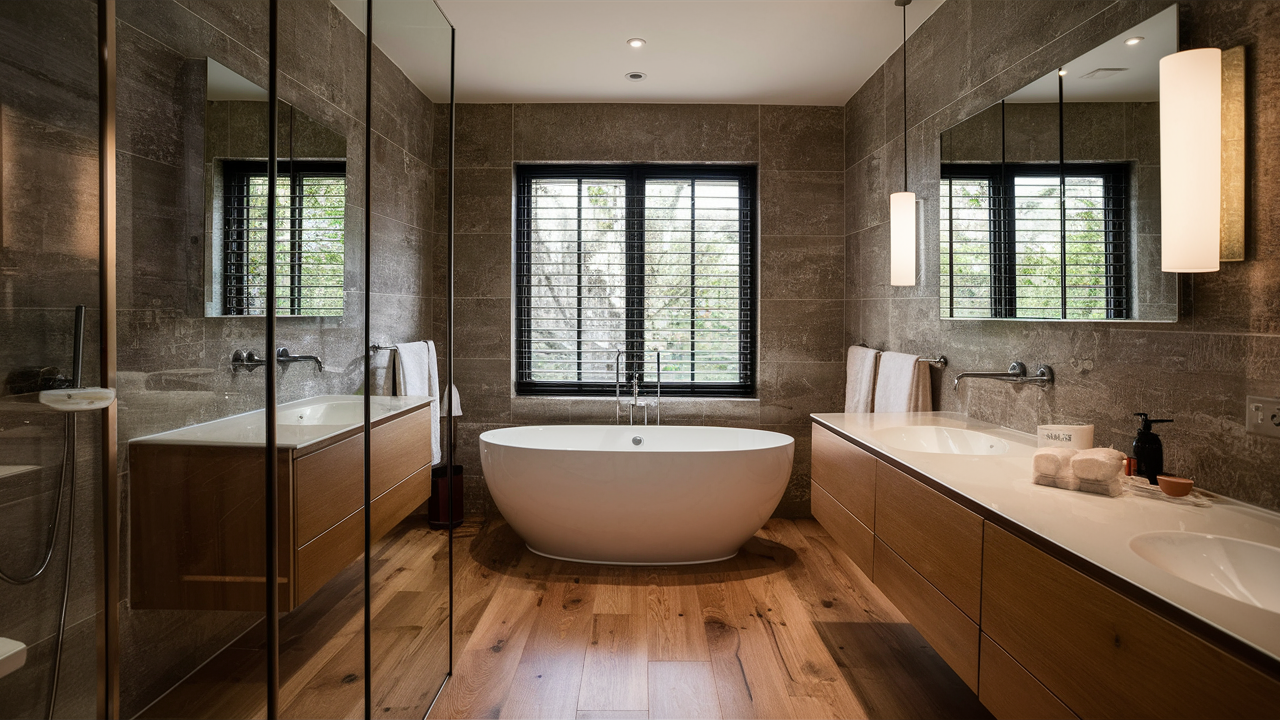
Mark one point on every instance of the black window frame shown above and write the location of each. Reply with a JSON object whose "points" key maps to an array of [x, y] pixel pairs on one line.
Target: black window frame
{"points": [[1003, 242], [635, 176], [235, 179]]}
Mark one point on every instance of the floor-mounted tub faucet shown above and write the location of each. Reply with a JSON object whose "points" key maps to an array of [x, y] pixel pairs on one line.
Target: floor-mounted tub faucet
{"points": [[636, 402]]}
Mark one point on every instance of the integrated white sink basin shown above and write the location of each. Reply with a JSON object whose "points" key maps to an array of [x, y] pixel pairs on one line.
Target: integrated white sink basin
{"points": [[941, 440], [1245, 571], [298, 423]]}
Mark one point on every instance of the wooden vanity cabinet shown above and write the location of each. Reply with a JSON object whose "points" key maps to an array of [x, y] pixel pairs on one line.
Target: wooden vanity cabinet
{"points": [[1102, 654], [1032, 636], [843, 491], [197, 530]]}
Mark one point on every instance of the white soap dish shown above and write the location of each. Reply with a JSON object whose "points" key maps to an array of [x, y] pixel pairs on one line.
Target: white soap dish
{"points": [[1197, 497], [78, 399]]}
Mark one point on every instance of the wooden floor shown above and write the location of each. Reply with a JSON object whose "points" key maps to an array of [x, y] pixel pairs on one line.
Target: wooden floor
{"points": [[322, 644], [788, 628]]}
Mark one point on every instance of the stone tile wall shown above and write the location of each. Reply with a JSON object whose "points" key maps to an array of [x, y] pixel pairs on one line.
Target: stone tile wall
{"points": [[799, 151], [1226, 344]]}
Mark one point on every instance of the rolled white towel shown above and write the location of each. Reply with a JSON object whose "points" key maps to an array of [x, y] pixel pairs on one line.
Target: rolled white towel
{"points": [[1110, 488], [1098, 464], [1052, 461], [1066, 482]]}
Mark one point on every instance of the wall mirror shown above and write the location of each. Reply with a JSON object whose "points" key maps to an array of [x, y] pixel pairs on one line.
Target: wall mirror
{"points": [[311, 195], [1050, 199]]}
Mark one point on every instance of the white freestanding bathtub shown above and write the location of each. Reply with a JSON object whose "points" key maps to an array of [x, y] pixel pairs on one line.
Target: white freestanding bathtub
{"points": [[634, 495]]}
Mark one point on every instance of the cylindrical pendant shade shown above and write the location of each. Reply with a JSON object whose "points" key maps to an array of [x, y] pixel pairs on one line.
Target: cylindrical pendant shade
{"points": [[902, 238], [1191, 160]]}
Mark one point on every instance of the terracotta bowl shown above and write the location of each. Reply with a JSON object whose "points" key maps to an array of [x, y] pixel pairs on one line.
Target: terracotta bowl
{"points": [[1174, 486]]}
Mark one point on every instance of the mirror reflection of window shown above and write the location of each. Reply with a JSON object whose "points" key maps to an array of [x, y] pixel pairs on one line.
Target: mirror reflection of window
{"points": [[1011, 248], [309, 243]]}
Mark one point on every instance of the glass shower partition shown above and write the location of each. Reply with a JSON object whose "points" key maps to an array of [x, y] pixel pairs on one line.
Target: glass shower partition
{"points": [[50, 453], [409, 552]]}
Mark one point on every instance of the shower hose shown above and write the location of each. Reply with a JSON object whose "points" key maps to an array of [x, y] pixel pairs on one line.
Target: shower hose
{"points": [[68, 460]]}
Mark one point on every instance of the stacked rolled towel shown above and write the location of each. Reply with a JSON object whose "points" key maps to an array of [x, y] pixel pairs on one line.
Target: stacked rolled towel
{"points": [[1052, 467], [1100, 470]]}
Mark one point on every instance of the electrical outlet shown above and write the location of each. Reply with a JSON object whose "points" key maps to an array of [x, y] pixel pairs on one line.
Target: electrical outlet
{"points": [[1262, 416]]}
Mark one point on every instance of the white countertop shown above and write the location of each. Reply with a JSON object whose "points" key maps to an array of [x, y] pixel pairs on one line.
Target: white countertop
{"points": [[299, 423], [1094, 527]]}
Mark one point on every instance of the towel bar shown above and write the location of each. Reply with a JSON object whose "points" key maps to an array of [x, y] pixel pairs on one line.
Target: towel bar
{"points": [[380, 348], [938, 362]]}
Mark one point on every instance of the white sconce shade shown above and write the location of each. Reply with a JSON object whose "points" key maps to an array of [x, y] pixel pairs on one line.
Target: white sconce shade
{"points": [[1191, 160], [902, 238]]}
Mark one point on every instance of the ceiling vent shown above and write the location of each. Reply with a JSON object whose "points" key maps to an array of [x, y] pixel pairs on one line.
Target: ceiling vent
{"points": [[1103, 73]]}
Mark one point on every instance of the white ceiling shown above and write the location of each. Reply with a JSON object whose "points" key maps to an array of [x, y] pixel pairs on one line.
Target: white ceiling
{"points": [[414, 35], [225, 84], [1140, 82], [803, 52]]}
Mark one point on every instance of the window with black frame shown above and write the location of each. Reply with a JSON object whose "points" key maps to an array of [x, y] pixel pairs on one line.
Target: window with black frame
{"points": [[618, 264], [309, 243], [1012, 248]]}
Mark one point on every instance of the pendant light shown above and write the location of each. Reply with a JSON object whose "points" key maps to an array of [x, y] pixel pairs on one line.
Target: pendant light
{"points": [[902, 205]]}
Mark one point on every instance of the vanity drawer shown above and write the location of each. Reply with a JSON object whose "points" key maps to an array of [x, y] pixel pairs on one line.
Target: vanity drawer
{"points": [[323, 558], [328, 485], [1010, 692], [1102, 654], [850, 534], [847, 473], [939, 539], [951, 633], [401, 448]]}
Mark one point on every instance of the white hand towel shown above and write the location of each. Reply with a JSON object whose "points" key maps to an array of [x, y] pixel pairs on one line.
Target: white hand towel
{"points": [[1098, 464], [1052, 461], [418, 374], [902, 384], [860, 379]]}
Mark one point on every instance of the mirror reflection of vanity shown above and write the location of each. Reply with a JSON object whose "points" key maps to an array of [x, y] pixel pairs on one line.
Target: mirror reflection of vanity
{"points": [[311, 192], [1050, 199]]}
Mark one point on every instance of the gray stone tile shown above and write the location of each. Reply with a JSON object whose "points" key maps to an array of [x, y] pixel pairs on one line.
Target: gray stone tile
{"points": [[602, 132], [482, 200], [790, 391], [482, 327], [801, 203], [484, 389], [865, 119], [796, 137], [801, 330], [484, 136], [482, 266], [798, 266]]}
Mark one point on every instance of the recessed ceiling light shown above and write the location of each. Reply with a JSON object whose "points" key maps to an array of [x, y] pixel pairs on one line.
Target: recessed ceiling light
{"points": [[636, 42], [1134, 40], [1062, 72], [636, 76]]}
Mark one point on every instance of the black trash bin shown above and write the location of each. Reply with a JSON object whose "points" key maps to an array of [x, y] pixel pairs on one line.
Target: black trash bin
{"points": [[443, 496]]}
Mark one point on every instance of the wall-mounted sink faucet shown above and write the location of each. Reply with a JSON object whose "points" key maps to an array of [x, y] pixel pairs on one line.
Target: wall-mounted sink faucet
{"points": [[284, 358], [1017, 374], [246, 360], [249, 360]]}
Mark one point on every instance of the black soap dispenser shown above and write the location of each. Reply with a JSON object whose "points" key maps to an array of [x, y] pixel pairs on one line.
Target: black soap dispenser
{"points": [[1148, 450]]}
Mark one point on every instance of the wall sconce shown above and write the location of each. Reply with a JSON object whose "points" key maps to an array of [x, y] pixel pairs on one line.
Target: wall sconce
{"points": [[1201, 159]]}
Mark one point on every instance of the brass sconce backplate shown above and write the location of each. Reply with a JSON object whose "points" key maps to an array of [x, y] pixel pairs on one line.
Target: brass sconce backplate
{"points": [[1233, 151]]}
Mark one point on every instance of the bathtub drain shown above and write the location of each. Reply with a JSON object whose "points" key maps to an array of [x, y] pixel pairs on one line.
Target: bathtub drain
{"points": [[637, 440]]}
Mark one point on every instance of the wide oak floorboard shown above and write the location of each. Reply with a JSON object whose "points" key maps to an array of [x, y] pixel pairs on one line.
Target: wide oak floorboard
{"points": [[790, 628]]}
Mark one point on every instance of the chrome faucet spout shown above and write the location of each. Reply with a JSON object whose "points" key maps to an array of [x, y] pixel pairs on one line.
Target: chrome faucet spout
{"points": [[283, 357], [1017, 374]]}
